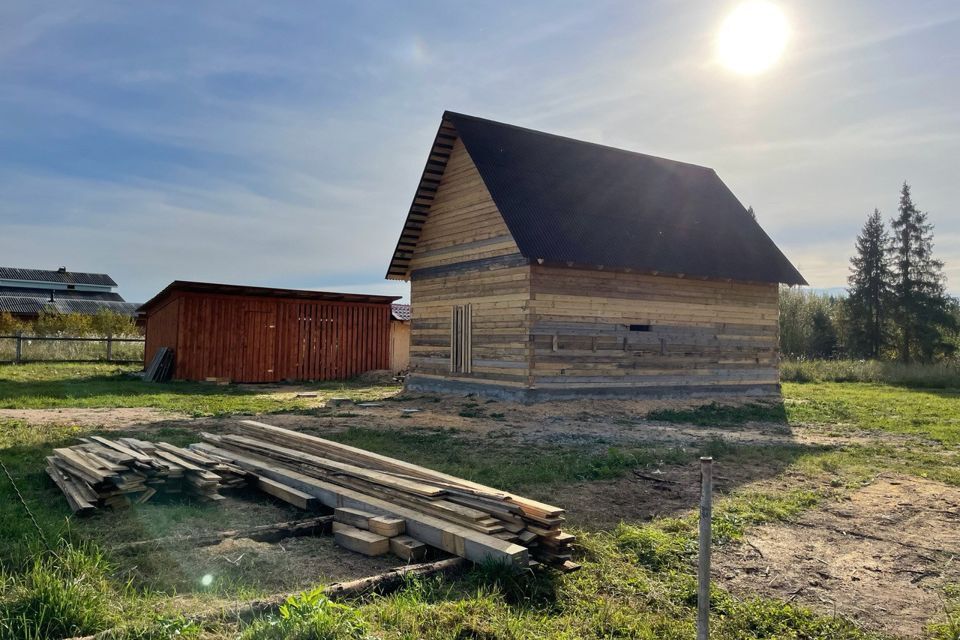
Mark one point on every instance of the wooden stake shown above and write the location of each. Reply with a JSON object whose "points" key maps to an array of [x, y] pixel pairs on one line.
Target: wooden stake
{"points": [[703, 572]]}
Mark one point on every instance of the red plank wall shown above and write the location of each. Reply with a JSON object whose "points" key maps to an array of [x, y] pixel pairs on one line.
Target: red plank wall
{"points": [[248, 339]]}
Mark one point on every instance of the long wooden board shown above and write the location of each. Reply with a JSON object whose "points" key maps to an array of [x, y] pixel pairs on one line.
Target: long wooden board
{"points": [[536, 508], [452, 538]]}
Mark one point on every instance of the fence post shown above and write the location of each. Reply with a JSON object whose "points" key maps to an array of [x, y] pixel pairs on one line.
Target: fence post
{"points": [[703, 571], [109, 348], [19, 346]]}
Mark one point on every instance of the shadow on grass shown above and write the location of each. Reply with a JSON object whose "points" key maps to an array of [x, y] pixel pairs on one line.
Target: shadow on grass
{"points": [[718, 415]]}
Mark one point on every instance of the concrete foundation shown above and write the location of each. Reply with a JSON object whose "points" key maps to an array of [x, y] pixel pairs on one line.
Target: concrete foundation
{"points": [[530, 395]]}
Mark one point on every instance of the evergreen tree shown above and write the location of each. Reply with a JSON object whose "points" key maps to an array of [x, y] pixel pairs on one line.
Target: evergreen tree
{"points": [[921, 306], [823, 335], [869, 289]]}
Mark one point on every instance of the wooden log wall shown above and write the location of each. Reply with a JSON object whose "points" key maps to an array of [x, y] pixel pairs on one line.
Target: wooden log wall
{"points": [[548, 327], [466, 256], [246, 339], [593, 328]]}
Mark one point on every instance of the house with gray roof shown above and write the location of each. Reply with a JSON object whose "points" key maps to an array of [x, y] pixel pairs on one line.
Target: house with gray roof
{"points": [[545, 267], [24, 293]]}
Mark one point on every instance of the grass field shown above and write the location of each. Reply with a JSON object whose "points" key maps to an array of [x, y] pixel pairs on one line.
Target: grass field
{"points": [[638, 579]]}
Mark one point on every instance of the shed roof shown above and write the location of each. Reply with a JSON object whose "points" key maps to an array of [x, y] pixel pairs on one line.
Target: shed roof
{"points": [[571, 202], [213, 288], [58, 276]]}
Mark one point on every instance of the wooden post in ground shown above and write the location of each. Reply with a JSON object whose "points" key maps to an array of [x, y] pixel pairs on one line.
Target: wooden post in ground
{"points": [[109, 348], [703, 570], [19, 354]]}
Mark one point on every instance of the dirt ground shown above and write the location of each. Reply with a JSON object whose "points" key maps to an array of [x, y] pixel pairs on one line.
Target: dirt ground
{"points": [[561, 423], [105, 418], [881, 557]]}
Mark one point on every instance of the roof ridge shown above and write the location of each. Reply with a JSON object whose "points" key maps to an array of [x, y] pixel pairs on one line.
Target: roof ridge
{"points": [[557, 136], [82, 273]]}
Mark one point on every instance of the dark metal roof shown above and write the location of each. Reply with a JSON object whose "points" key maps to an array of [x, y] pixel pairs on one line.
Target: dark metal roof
{"points": [[400, 311], [571, 202], [36, 292], [50, 275], [24, 305], [260, 292]]}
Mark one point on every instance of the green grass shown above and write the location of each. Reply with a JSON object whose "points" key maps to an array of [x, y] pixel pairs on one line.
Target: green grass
{"points": [[927, 413], [46, 386], [718, 415], [932, 414]]}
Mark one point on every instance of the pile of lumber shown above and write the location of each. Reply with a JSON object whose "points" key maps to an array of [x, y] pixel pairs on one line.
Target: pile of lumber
{"points": [[101, 472], [453, 514]]}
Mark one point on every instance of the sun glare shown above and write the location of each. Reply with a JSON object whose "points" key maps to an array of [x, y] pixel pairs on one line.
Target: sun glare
{"points": [[752, 38]]}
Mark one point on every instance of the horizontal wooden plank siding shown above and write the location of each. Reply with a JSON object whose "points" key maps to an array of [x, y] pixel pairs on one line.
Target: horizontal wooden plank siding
{"points": [[595, 329], [466, 256], [250, 339]]}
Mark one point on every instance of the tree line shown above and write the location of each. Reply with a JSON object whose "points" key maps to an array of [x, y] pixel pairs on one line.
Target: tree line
{"points": [[896, 306]]}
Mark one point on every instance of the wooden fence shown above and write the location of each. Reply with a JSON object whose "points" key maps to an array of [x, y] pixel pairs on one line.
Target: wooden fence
{"points": [[20, 348]]}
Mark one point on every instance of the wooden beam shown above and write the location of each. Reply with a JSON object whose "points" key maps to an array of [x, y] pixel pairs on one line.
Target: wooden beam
{"points": [[455, 539]]}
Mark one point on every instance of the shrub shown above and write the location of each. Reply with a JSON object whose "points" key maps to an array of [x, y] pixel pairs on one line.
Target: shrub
{"points": [[309, 616], [941, 375], [9, 325]]}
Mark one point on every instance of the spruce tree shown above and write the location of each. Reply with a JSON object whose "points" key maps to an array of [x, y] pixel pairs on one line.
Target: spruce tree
{"points": [[921, 306], [869, 289]]}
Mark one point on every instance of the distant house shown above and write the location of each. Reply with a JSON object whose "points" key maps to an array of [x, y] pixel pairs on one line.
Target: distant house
{"points": [[26, 292], [546, 267], [262, 334], [399, 337]]}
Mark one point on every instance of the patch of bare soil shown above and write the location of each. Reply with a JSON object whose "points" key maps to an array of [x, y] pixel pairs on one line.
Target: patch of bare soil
{"points": [[643, 495], [108, 418], [880, 558], [286, 566]]}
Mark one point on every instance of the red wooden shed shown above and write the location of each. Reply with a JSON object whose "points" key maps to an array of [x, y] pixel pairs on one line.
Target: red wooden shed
{"points": [[261, 334]]}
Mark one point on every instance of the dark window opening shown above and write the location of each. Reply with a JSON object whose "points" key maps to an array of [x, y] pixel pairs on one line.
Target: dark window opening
{"points": [[639, 327], [71, 286]]}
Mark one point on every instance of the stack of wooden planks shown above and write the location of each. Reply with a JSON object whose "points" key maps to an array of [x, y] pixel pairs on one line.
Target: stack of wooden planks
{"points": [[453, 514], [101, 472]]}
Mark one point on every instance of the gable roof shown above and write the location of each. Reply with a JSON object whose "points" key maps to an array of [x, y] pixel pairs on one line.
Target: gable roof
{"points": [[215, 288], [50, 275], [571, 202]]}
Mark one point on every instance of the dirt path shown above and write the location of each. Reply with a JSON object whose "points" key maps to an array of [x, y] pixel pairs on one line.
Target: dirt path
{"points": [[111, 418], [880, 558]]}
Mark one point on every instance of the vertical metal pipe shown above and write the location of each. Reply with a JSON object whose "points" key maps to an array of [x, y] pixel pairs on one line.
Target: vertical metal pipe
{"points": [[703, 572]]}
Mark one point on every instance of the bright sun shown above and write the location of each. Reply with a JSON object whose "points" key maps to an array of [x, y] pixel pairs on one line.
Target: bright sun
{"points": [[752, 38]]}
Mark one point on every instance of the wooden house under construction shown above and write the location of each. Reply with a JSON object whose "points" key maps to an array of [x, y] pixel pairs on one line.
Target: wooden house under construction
{"points": [[546, 267], [261, 334]]}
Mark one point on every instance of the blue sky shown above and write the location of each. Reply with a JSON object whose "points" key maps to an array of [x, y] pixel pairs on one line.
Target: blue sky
{"points": [[280, 143]]}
